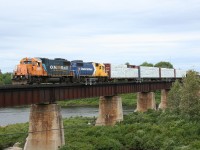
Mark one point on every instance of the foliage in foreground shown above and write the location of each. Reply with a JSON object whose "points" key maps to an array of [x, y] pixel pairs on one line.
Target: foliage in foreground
{"points": [[185, 97], [8, 136], [153, 130], [139, 131]]}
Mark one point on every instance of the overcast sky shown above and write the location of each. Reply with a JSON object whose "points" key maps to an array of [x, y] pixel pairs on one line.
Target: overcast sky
{"points": [[111, 31]]}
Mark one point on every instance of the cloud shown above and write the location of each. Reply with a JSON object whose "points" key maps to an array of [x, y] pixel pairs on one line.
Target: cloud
{"points": [[105, 31]]}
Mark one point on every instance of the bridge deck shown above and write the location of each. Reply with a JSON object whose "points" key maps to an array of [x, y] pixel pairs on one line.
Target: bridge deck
{"points": [[11, 96]]}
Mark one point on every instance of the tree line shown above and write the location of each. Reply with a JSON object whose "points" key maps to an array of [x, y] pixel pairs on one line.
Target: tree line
{"points": [[5, 78], [161, 64]]}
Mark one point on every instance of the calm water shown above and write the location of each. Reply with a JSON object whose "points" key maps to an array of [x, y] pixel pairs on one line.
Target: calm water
{"points": [[21, 115]]}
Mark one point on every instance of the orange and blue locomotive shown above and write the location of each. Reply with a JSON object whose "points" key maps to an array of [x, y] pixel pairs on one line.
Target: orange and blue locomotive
{"points": [[58, 70]]}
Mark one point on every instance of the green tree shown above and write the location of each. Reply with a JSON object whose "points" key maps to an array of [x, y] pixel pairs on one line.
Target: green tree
{"points": [[164, 64], [127, 63], [186, 96], [1, 79], [147, 64], [174, 96], [190, 95]]}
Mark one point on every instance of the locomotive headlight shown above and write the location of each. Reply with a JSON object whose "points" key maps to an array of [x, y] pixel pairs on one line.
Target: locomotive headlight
{"points": [[21, 77]]}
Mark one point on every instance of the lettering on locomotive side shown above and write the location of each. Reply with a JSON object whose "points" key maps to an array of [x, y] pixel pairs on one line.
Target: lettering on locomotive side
{"points": [[59, 67], [86, 69]]}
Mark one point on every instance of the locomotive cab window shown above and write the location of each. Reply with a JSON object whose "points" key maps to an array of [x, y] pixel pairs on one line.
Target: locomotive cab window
{"points": [[38, 64], [27, 62]]}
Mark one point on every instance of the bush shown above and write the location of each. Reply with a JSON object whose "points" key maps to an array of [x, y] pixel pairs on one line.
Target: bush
{"points": [[11, 134], [153, 130], [174, 96], [185, 97], [190, 96]]}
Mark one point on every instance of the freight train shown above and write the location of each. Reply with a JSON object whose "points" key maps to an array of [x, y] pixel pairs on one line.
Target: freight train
{"points": [[59, 70]]}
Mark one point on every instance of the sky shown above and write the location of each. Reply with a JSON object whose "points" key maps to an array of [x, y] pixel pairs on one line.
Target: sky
{"points": [[105, 31]]}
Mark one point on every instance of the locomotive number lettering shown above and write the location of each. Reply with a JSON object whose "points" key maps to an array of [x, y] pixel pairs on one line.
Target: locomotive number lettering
{"points": [[59, 67]]}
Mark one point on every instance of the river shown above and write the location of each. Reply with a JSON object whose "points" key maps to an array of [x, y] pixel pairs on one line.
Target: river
{"points": [[21, 115]]}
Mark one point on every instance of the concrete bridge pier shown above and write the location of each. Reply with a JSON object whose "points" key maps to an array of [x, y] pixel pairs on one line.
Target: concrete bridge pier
{"points": [[110, 110], [45, 128], [145, 101], [163, 103]]}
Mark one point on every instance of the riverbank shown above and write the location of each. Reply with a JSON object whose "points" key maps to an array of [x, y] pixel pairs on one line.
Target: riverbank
{"points": [[129, 100], [21, 115], [153, 130]]}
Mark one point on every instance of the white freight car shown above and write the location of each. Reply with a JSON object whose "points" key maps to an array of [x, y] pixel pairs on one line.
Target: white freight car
{"points": [[149, 72], [142, 72], [122, 71], [180, 73], [167, 73]]}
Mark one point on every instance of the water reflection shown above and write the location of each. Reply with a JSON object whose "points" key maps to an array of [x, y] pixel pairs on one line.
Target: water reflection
{"points": [[21, 115]]}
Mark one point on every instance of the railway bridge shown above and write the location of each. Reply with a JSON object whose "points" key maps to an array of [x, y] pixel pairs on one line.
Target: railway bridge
{"points": [[45, 113]]}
